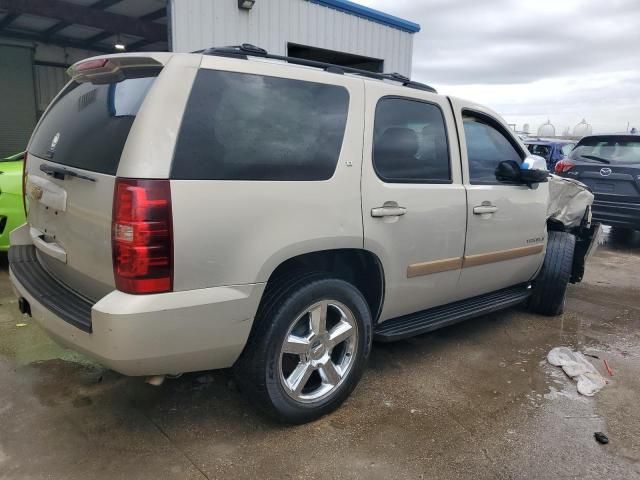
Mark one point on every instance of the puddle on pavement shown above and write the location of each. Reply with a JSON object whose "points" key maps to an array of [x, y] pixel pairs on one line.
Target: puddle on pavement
{"points": [[27, 344]]}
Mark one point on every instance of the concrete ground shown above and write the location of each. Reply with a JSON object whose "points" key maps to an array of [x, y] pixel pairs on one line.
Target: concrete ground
{"points": [[476, 400]]}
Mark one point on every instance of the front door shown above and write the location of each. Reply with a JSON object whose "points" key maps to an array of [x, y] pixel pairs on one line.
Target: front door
{"points": [[506, 223], [413, 200]]}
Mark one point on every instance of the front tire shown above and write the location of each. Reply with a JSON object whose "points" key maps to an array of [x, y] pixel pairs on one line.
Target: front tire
{"points": [[308, 349], [550, 288]]}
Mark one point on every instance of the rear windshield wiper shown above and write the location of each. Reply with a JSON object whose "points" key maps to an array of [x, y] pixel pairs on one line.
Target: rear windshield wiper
{"points": [[596, 158], [60, 173]]}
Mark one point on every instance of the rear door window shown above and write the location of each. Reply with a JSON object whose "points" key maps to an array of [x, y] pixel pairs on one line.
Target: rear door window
{"points": [[241, 126], [88, 124], [410, 142]]}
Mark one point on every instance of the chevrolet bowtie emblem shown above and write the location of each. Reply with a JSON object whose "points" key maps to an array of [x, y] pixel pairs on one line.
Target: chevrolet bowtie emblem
{"points": [[35, 192]]}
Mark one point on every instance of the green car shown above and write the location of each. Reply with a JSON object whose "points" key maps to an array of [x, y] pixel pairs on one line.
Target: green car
{"points": [[11, 204]]}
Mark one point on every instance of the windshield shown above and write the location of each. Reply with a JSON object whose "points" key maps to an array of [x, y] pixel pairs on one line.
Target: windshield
{"points": [[607, 150]]}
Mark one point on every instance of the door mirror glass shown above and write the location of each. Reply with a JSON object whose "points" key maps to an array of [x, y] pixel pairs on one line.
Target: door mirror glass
{"points": [[508, 171]]}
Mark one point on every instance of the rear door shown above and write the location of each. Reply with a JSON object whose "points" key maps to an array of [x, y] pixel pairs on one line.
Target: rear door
{"points": [[506, 224], [413, 200], [72, 160]]}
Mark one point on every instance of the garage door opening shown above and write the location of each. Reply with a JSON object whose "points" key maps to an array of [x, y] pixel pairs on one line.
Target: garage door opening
{"points": [[337, 58]]}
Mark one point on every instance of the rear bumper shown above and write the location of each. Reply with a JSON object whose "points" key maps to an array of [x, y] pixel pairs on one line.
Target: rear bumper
{"points": [[150, 334], [617, 214]]}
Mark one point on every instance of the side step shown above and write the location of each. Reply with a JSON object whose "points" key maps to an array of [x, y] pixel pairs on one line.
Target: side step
{"points": [[427, 320]]}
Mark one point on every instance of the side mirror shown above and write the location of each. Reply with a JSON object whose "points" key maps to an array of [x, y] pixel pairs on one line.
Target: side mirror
{"points": [[509, 171], [534, 170]]}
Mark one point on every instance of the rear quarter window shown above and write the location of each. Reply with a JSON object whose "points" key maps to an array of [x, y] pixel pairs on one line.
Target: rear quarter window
{"points": [[250, 127], [88, 124]]}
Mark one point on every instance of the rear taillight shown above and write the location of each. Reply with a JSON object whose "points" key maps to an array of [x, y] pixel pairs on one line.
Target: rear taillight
{"points": [[564, 166], [142, 236], [91, 64]]}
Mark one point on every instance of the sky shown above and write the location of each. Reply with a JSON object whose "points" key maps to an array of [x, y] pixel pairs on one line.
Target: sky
{"points": [[531, 60]]}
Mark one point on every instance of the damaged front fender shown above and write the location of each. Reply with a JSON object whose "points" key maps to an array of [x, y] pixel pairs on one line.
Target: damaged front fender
{"points": [[569, 210]]}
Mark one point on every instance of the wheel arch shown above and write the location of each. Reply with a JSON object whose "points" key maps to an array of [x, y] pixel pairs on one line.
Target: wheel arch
{"points": [[360, 267]]}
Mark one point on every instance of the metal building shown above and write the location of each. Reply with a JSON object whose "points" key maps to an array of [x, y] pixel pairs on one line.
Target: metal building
{"points": [[40, 39], [337, 31]]}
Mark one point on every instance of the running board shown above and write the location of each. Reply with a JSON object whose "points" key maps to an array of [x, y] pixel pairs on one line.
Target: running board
{"points": [[437, 317]]}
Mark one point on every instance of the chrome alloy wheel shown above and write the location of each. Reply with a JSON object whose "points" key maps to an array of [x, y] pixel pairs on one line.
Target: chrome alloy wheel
{"points": [[318, 351]]}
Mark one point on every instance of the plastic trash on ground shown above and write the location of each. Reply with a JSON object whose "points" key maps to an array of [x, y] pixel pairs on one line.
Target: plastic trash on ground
{"points": [[568, 200], [575, 365]]}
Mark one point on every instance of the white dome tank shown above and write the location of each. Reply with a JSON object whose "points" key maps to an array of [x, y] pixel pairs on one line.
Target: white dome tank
{"points": [[526, 128], [547, 130], [582, 129]]}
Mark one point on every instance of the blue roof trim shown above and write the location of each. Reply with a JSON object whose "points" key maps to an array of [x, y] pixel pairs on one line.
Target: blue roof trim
{"points": [[370, 14]]}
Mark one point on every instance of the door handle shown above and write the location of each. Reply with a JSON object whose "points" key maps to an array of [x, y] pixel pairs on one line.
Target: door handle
{"points": [[388, 211], [480, 209]]}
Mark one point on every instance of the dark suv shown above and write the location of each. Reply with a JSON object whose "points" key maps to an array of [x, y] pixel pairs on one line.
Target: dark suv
{"points": [[610, 166]]}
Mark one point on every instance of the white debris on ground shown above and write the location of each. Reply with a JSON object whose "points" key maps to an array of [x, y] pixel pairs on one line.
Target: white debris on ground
{"points": [[575, 365]]}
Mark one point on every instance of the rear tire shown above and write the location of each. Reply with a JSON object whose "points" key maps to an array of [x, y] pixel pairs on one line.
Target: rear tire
{"points": [[308, 348], [550, 287]]}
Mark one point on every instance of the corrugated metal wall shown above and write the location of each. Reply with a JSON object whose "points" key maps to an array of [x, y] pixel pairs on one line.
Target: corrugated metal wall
{"points": [[17, 106], [49, 81], [271, 24]]}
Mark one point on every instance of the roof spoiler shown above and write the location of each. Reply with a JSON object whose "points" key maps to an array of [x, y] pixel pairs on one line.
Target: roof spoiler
{"points": [[109, 69]]}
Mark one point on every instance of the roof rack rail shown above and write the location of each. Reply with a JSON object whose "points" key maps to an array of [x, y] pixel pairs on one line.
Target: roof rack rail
{"points": [[247, 50]]}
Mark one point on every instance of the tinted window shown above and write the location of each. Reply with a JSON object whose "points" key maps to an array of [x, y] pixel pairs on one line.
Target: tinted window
{"points": [[486, 148], [88, 124], [410, 142], [250, 127], [607, 149]]}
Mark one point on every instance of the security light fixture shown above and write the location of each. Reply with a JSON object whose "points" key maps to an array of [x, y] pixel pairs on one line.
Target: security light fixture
{"points": [[246, 4], [119, 45]]}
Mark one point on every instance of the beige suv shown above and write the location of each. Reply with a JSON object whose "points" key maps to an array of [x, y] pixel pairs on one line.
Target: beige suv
{"points": [[231, 208]]}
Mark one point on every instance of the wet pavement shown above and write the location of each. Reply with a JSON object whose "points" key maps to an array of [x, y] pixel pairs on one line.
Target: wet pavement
{"points": [[476, 400]]}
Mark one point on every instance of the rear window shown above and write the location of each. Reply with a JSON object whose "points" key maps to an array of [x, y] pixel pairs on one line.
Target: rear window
{"points": [[607, 150], [88, 124], [250, 127], [542, 150]]}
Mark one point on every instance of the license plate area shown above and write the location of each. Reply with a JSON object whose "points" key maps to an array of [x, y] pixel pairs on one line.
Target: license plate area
{"points": [[604, 187]]}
